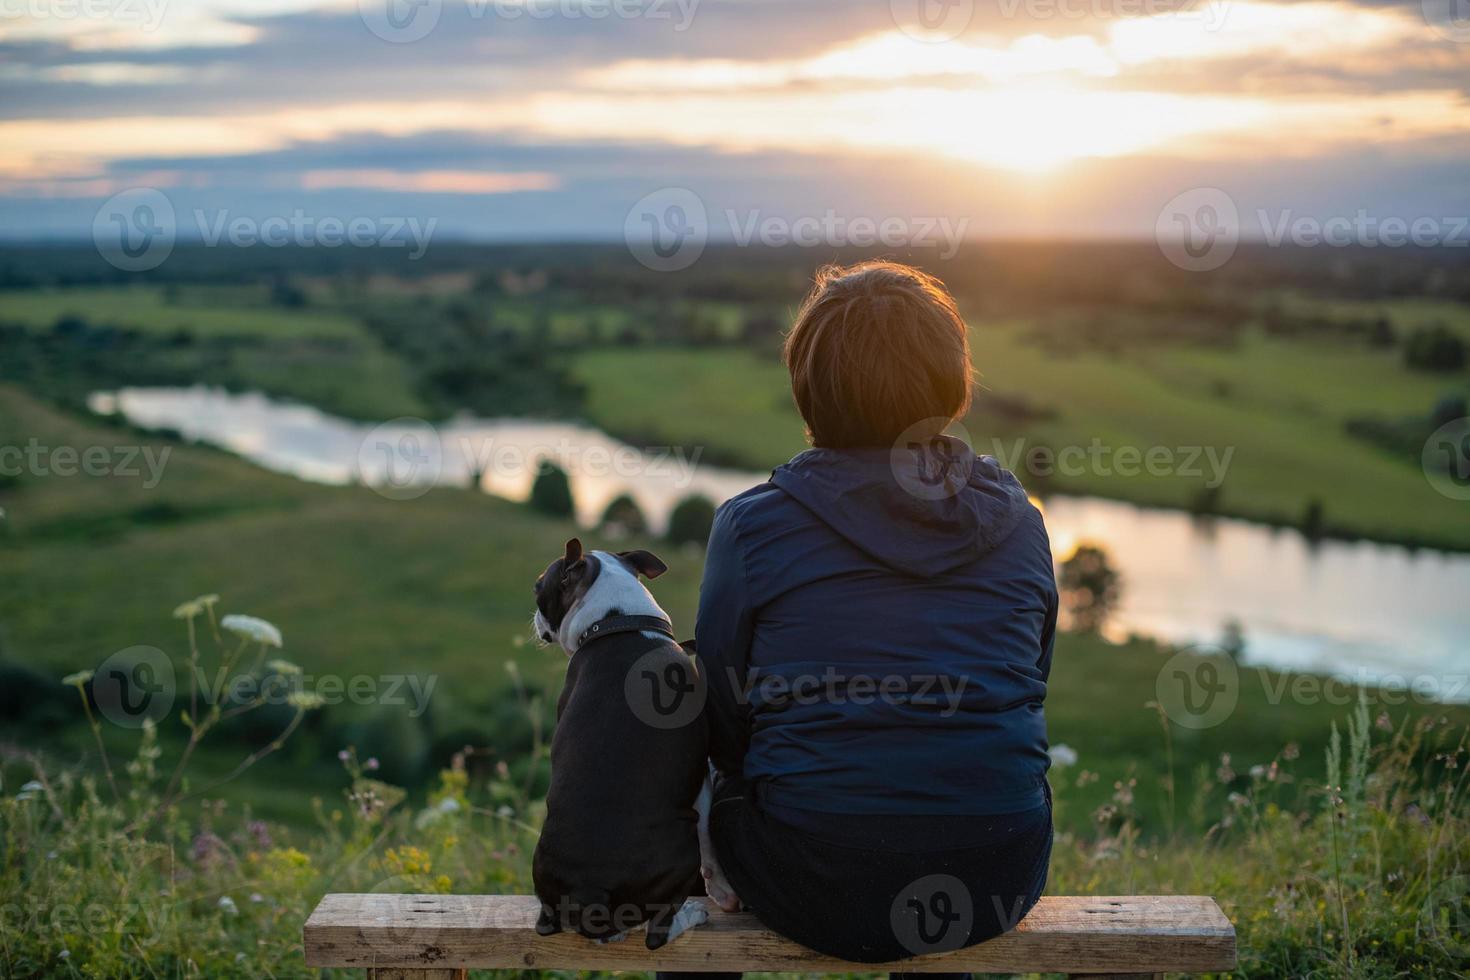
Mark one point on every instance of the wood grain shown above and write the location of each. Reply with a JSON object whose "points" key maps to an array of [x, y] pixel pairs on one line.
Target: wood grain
{"points": [[1138, 935]]}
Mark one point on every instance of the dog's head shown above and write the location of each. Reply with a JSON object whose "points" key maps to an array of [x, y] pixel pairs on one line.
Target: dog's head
{"points": [[567, 581]]}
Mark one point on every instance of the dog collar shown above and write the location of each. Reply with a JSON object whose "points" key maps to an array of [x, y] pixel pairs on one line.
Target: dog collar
{"points": [[624, 624]]}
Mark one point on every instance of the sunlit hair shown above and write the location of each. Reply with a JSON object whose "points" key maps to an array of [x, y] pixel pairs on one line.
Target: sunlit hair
{"points": [[876, 349]]}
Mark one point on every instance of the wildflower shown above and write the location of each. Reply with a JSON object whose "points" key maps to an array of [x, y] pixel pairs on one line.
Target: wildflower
{"points": [[252, 627], [262, 834], [206, 847], [65, 954], [1238, 799], [78, 679], [1292, 751], [29, 791], [1258, 771], [449, 805], [257, 897], [372, 764], [283, 667], [343, 755], [192, 608], [1225, 774], [1063, 755], [305, 700], [1383, 723], [227, 905]]}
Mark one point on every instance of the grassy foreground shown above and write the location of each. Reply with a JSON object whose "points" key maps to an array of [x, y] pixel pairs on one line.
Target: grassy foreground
{"points": [[1356, 879]]}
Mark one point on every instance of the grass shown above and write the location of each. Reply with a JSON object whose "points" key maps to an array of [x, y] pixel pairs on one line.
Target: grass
{"points": [[1276, 406], [202, 310], [437, 586]]}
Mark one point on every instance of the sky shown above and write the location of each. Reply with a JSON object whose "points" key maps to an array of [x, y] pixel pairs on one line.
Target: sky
{"points": [[553, 119]]}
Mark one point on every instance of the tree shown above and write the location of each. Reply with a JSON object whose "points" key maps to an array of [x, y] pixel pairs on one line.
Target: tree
{"points": [[1435, 348], [551, 493], [1090, 588], [623, 518], [691, 521]]}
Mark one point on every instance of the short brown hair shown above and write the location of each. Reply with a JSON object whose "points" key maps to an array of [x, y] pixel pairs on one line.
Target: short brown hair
{"points": [[877, 348]]}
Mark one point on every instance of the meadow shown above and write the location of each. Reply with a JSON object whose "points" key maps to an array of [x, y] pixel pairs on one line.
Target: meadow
{"points": [[1324, 874]]}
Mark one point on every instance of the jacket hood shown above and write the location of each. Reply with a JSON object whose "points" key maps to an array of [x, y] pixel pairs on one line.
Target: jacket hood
{"points": [[917, 510]]}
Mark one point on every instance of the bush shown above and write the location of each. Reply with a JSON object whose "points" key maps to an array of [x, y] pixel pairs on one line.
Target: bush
{"points": [[691, 521], [1435, 348], [623, 518], [1090, 588], [552, 491]]}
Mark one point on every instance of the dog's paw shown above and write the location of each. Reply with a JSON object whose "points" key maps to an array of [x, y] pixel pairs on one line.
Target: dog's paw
{"points": [[718, 888]]}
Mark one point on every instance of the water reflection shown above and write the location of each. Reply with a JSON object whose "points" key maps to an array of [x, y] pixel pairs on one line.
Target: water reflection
{"points": [[1359, 610]]}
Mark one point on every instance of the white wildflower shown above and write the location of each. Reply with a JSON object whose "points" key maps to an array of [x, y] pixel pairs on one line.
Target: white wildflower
{"points": [[283, 667], [252, 627], [1063, 755], [192, 608], [228, 904]]}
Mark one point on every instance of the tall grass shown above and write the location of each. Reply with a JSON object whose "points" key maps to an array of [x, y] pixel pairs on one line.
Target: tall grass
{"points": [[130, 872]]}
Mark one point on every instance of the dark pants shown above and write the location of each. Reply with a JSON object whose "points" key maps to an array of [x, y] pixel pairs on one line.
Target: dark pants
{"points": [[905, 892]]}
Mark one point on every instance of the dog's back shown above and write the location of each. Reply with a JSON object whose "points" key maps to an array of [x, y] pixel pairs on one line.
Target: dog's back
{"points": [[620, 843]]}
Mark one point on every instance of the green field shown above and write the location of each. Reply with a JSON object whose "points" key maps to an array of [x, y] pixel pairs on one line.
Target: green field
{"points": [[201, 310], [1277, 405], [439, 585]]}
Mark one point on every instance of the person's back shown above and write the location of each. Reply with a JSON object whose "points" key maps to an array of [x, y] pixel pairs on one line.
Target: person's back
{"points": [[875, 632], [899, 647]]}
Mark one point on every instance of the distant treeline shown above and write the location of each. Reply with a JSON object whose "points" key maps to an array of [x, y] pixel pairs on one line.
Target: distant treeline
{"points": [[1010, 274]]}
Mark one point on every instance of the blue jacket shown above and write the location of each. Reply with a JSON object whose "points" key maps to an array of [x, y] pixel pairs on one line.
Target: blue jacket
{"points": [[872, 650]]}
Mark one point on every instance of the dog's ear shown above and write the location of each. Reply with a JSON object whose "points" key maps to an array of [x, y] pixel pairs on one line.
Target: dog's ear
{"points": [[645, 563], [574, 553]]}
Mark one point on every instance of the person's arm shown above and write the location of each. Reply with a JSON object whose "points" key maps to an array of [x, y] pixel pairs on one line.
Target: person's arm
{"points": [[722, 637]]}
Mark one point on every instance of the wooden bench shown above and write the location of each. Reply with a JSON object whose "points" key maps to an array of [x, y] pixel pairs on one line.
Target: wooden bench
{"points": [[436, 937]]}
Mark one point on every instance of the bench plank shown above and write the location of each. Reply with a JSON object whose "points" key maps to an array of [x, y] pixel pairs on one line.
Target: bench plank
{"points": [[1122, 935]]}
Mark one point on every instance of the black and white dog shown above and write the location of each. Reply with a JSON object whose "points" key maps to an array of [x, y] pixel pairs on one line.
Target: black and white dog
{"points": [[628, 808]]}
